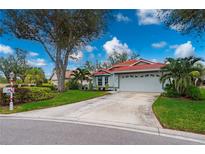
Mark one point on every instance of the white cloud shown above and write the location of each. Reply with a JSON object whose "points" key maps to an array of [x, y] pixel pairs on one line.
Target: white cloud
{"points": [[154, 60], [77, 55], [115, 45], [159, 44], [122, 18], [185, 50], [6, 49], [148, 17], [90, 48], [33, 54], [173, 46], [37, 62]]}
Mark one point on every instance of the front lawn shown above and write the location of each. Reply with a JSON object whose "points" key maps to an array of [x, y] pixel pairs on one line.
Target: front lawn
{"points": [[68, 97], [181, 114]]}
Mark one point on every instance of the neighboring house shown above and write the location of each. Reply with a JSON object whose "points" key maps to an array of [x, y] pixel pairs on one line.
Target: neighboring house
{"points": [[68, 77], [132, 75]]}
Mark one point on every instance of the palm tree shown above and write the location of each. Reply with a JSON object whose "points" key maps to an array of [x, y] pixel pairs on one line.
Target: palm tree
{"points": [[179, 73], [198, 75], [80, 75]]}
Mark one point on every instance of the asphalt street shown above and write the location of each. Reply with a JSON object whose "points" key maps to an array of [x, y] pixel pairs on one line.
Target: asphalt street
{"points": [[21, 131]]}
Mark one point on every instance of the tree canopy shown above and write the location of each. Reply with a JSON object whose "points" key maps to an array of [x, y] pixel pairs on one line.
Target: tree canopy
{"points": [[60, 32], [14, 63], [185, 21], [117, 57], [35, 76], [180, 73]]}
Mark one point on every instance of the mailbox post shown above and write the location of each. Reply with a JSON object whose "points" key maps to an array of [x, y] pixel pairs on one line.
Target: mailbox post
{"points": [[11, 104]]}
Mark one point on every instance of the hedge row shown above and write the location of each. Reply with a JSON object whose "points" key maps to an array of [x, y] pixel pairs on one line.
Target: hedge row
{"points": [[27, 94]]}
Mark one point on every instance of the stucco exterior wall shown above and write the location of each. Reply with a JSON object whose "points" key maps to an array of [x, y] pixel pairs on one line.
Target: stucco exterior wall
{"points": [[142, 82]]}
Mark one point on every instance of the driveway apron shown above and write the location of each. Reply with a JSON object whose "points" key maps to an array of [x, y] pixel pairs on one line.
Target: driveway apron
{"points": [[122, 107]]}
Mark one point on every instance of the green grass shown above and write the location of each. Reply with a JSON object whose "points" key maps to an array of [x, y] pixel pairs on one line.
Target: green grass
{"points": [[202, 93], [181, 114], [68, 97]]}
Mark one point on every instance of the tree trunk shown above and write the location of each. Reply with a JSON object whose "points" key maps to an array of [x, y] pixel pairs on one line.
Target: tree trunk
{"points": [[196, 81], [61, 79], [60, 72], [81, 84]]}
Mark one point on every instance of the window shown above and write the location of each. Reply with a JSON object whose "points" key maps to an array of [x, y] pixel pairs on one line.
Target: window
{"points": [[127, 76], [136, 76], [106, 80], [131, 76], [146, 75], [99, 81]]}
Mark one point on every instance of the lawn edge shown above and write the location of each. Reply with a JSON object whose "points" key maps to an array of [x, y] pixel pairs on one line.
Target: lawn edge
{"points": [[106, 93], [165, 127]]}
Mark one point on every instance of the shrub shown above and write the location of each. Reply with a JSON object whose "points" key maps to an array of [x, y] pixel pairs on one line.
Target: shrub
{"points": [[170, 91], [106, 87], [28, 94], [72, 85], [90, 86], [202, 90], [49, 85], [194, 93]]}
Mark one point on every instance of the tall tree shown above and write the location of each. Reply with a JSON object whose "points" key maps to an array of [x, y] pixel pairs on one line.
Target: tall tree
{"points": [[22, 63], [60, 32], [116, 57], [134, 55], [186, 21], [14, 63]]}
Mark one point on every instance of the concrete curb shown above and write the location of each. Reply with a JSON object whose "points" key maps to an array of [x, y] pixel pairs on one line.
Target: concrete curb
{"points": [[123, 126]]}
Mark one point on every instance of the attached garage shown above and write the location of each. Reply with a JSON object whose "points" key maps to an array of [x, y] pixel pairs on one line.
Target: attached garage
{"points": [[132, 75], [140, 82]]}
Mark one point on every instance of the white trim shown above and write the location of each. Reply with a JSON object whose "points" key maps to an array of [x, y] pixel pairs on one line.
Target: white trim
{"points": [[141, 60], [130, 71]]}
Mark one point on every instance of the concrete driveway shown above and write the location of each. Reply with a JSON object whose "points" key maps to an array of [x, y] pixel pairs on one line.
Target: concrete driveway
{"points": [[119, 108]]}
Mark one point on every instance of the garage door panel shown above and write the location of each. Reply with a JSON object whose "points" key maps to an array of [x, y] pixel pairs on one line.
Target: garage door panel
{"points": [[140, 84]]}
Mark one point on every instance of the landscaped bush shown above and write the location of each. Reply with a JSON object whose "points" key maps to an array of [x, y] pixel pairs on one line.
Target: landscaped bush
{"points": [[28, 94], [202, 90], [170, 91], [72, 85], [194, 93], [49, 85], [90, 86]]}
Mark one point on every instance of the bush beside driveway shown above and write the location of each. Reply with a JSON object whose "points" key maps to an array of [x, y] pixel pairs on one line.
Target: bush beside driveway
{"points": [[68, 97]]}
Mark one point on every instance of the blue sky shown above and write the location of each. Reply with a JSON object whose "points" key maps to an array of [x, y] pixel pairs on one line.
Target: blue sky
{"points": [[130, 31]]}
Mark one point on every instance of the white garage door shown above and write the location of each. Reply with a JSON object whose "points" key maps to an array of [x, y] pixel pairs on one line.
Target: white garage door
{"points": [[143, 82]]}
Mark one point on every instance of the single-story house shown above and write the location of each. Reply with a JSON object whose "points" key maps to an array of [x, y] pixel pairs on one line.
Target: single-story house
{"points": [[68, 77], [132, 75]]}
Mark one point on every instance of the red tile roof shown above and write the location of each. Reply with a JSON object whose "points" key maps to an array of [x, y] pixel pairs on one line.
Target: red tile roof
{"points": [[131, 65], [126, 63]]}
